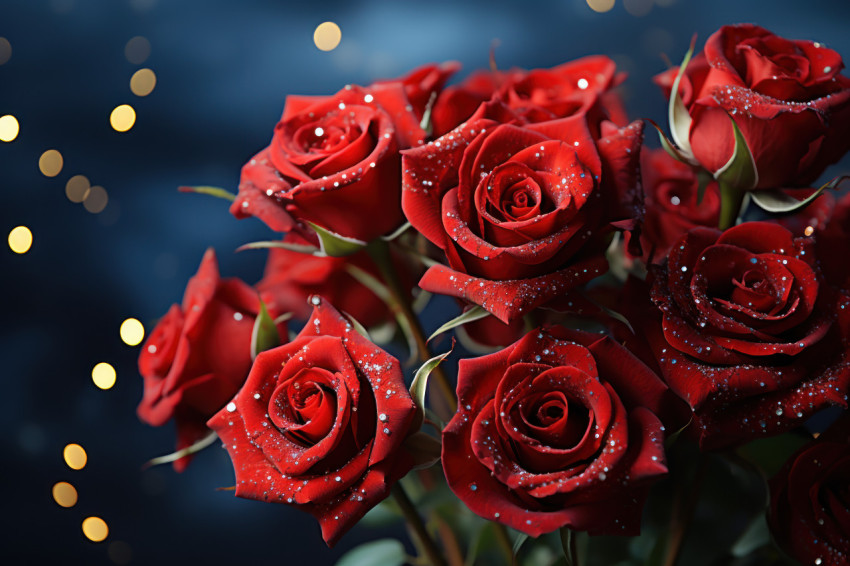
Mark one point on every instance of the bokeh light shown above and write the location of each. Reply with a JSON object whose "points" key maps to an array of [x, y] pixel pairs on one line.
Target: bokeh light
{"points": [[65, 494], [5, 50], [9, 128], [77, 188], [132, 332], [137, 50], [103, 375], [122, 118], [96, 199], [75, 456], [95, 529], [600, 5], [638, 8], [327, 36], [50, 163], [143, 82], [20, 239]]}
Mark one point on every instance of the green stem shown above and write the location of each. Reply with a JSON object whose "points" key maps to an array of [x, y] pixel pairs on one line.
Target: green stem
{"points": [[380, 253], [731, 200], [504, 541], [684, 506], [415, 522]]}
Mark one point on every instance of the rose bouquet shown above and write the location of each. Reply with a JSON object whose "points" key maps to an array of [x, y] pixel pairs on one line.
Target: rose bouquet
{"points": [[639, 371]]}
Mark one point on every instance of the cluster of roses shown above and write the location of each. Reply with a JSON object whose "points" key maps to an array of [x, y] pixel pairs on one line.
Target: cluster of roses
{"points": [[509, 191]]}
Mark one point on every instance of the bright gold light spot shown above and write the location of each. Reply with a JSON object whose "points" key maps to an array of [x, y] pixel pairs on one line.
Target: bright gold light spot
{"points": [[600, 5], [77, 188], [20, 239], [75, 456], [50, 163], [327, 36], [809, 230], [65, 494], [5, 50], [96, 199], [137, 50], [9, 128], [122, 118], [103, 375], [132, 332], [142, 82], [95, 529]]}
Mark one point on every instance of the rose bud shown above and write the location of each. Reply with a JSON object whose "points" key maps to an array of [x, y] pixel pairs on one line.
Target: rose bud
{"points": [[809, 513], [319, 424], [748, 333], [334, 162], [788, 98], [559, 429], [521, 213], [580, 87], [198, 355], [671, 189]]}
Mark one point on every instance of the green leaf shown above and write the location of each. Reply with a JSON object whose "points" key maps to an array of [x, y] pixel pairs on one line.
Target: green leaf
{"points": [[361, 330], [384, 552], [426, 449], [567, 543], [670, 440], [381, 515], [756, 536], [335, 245], [779, 202], [371, 282], [740, 171], [420, 385], [677, 113], [520, 540], [188, 451], [264, 336], [475, 545], [212, 191], [300, 248], [475, 313]]}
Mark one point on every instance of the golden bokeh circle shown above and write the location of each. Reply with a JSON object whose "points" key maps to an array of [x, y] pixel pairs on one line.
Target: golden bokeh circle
{"points": [[64, 494], [103, 375], [95, 529], [132, 332], [9, 128], [77, 188], [327, 36], [20, 239], [122, 118], [143, 82], [50, 163], [75, 456], [96, 199]]}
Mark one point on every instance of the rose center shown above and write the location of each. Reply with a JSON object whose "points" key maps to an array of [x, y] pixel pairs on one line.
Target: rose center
{"points": [[304, 407]]}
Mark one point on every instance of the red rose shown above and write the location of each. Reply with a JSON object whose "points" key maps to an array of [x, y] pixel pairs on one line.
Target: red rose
{"points": [[671, 189], [786, 96], [752, 338], [290, 278], [580, 87], [334, 162], [319, 424], [520, 212], [810, 500], [558, 429], [199, 354]]}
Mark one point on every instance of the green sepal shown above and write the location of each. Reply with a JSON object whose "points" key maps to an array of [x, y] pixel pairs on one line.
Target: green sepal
{"points": [[420, 385], [426, 124], [264, 336], [183, 452], [740, 171], [335, 245], [567, 542], [426, 449], [669, 146], [779, 202], [754, 537], [677, 114], [475, 313], [217, 192], [703, 179], [300, 248]]}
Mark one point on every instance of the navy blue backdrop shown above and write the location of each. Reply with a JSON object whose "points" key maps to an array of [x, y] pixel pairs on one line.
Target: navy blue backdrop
{"points": [[223, 70]]}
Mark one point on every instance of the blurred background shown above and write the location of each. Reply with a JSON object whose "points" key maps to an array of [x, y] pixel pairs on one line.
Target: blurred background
{"points": [[106, 107]]}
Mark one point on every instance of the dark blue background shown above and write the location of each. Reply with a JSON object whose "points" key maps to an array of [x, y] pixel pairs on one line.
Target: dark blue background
{"points": [[223, 70]]}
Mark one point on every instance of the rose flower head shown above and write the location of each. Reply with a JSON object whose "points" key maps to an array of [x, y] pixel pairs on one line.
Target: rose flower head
{"points": [[788, 98], [751, 336], [809, 513], [558, 429], [334, 162], [522, 212], [199, 354], [319, 424]]}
